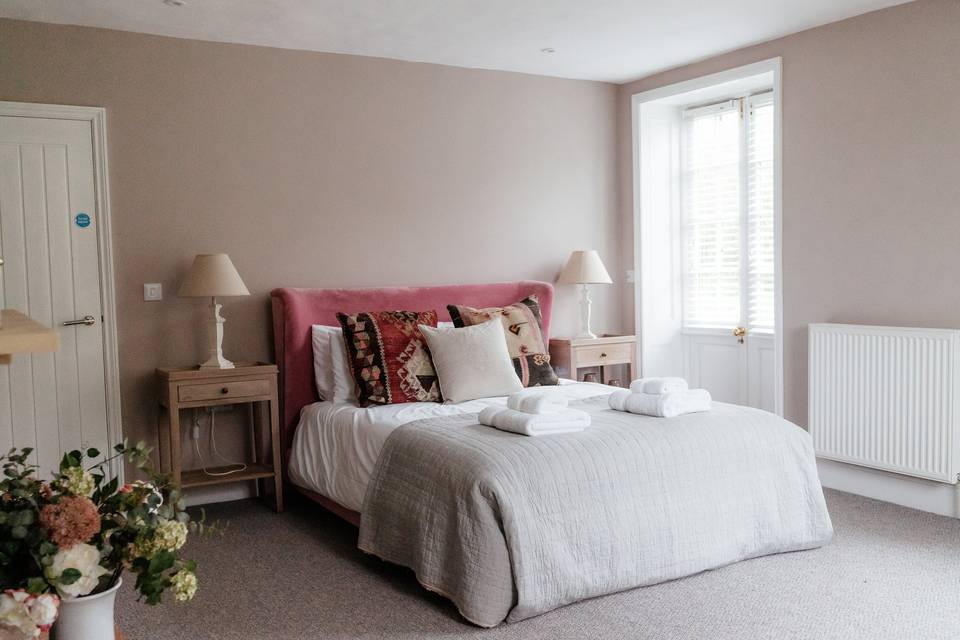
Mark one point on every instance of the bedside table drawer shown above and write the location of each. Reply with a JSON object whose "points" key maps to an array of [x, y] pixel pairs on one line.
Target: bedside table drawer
{"points": [[221, 390], [592, 356]]}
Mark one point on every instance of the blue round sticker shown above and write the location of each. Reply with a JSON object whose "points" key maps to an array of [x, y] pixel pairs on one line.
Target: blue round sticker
{"points": [[82, 220]]}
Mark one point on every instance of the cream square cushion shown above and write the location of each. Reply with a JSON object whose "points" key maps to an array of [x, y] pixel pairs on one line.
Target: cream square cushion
{"points": [[472, 362]]}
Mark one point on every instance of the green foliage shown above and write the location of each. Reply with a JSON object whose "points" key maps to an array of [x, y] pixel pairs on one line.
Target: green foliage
{"points": [[69, 576], [135, 521]]}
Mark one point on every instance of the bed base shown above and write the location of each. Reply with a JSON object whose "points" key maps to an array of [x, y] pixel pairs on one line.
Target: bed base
{"points": [[333, 507]]}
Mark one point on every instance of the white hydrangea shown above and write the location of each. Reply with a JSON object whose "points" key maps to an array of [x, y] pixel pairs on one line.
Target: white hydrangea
{"points": [[77, 481], [169, 535], [184, 585], [83, 557]]}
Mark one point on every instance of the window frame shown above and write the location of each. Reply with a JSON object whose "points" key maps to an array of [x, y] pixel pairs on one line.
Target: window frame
{"points": [[653, 274]]}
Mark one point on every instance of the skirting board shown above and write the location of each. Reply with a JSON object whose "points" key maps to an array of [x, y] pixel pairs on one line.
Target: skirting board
{"points": [[196, 496], [916, 493]]}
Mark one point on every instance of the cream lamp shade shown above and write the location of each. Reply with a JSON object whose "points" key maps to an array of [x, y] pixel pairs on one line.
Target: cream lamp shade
{"points": [[584, 267], [212, 276]]}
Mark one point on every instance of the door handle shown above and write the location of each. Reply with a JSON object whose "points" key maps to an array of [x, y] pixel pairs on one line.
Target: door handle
{"points": [[87, 320], [739, 333]]}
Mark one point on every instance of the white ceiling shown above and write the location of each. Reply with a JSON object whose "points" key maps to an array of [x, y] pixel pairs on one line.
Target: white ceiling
{"points": [[610, 40]]}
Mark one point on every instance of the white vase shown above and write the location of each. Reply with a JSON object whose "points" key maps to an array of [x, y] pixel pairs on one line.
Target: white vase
{"points": [[87, 618]]}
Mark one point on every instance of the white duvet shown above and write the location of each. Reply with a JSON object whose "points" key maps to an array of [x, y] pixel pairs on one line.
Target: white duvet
{"points": [[336, 446]]}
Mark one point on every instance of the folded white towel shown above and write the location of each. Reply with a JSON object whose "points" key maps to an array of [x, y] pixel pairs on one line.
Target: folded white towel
{"points": [[664, 405], [538, 400], [658, 385], [530, 424]]}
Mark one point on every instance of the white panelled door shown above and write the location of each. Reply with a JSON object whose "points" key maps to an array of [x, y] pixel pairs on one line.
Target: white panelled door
{"points": [[54, 402], [727, 213]]}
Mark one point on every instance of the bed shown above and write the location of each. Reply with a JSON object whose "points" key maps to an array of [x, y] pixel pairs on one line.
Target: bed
{"points": [[508, 527]]}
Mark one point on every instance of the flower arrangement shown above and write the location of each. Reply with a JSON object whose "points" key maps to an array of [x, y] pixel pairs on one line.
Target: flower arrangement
{"points": [[76, 534]]}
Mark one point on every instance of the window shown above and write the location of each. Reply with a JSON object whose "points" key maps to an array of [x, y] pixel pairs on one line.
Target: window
{"points": [[727, 214]]}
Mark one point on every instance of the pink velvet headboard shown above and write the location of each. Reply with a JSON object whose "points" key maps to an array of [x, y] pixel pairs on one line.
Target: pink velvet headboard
{"points": [[295, 310]]}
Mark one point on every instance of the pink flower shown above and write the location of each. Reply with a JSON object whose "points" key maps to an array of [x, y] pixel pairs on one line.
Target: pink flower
{"points": [[72, 520], [29, 614], [127, 488], [43, 610]]}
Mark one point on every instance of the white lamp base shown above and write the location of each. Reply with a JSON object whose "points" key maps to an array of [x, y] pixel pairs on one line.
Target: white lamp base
{"points": [[215, 334], [585, 302]]}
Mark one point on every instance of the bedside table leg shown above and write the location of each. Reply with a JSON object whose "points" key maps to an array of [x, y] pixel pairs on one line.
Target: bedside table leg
{"points": [[258, 418], [277, 453], [163, 438], [173, 417]]}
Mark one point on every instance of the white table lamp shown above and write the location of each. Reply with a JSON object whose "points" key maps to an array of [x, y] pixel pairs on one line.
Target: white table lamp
{"points": [[585, 268], [214, 276]]}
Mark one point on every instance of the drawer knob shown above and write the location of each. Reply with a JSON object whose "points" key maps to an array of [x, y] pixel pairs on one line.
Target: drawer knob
{"points": [[225, 390], [603, 355]]}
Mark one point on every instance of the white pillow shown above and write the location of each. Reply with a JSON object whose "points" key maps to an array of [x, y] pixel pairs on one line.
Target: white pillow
{"points": [[322, 360], [472, 362], [330, 366]]}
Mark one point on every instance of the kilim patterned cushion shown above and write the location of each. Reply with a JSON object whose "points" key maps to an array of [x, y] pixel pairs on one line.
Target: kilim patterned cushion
{"points": [[521, 324], [389, 357]]}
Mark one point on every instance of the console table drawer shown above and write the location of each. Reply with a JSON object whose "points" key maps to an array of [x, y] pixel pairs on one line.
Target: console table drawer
{"points": [[221, 390]]}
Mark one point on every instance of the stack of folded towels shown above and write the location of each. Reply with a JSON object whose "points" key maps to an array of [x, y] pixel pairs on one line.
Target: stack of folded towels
{"points": [[660, 397], [536, 412]]}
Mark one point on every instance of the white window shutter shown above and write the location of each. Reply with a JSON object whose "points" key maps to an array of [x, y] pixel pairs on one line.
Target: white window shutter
{"points": [[728, 238], [760, 263], [711, 216]]}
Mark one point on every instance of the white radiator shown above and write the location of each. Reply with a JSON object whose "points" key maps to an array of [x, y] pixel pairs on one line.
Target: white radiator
{"points": [[886, 397]]}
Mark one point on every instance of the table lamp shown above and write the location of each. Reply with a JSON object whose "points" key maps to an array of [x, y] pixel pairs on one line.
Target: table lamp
{"points": [[214, 276], [585, 268]]}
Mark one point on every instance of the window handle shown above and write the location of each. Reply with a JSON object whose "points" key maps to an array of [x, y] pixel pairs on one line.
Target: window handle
{"points": [[739, 334]]}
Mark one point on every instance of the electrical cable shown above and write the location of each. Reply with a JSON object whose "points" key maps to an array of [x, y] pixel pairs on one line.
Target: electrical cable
{"points": [[241, 466]]}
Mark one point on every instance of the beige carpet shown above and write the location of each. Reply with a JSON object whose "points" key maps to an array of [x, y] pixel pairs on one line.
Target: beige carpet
{"points": [[890, 572]]}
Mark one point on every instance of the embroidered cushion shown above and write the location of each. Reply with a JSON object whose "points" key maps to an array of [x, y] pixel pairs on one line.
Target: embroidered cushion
{"points": [[524, 334], [389, 358]]}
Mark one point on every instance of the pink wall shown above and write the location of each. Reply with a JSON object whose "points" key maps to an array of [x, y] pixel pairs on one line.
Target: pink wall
{"points": [[321, 170], [871, 173]]}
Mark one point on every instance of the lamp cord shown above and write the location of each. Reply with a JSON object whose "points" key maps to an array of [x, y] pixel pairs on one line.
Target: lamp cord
{"points": [[241, 466]]}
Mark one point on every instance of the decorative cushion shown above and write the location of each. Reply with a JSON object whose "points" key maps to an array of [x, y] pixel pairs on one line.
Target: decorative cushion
{"points": [[524, 336], [472, 362], [389, 357]]}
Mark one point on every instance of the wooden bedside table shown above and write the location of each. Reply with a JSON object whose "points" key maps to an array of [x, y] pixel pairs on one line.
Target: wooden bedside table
{"points": [[570, 354], [192, 388]]}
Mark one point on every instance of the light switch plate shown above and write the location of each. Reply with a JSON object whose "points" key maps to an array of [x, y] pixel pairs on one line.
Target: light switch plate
{"points": [[153, 291]]}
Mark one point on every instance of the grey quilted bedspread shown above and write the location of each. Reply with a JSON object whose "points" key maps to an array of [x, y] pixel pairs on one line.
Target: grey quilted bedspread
{"points": [[509, 526]]}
